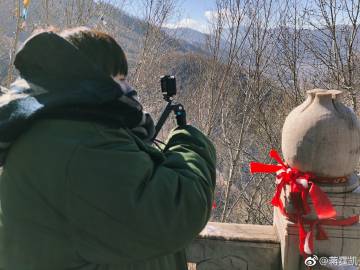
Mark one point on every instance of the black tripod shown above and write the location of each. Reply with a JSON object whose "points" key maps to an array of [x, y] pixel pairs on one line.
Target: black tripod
{"points": [[168, 88]]}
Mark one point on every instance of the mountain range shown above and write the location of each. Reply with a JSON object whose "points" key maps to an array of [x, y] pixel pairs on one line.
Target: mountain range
{"points": [[128, 30]]}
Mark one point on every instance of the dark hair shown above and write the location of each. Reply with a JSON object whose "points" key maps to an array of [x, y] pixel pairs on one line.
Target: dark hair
{"points": [[100, 48]]}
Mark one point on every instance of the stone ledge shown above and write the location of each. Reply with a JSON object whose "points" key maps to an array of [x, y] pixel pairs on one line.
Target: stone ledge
{"points": [[239, 232], [235, 247]]}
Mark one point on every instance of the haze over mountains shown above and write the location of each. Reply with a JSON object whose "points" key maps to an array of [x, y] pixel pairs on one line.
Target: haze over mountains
{"points": [[188, 35]]}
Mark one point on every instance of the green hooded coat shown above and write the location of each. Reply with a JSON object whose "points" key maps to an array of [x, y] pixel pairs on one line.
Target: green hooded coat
{"points": [[78, 195]]}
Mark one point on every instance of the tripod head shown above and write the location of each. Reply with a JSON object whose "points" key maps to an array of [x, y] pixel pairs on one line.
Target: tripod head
{"points": [[168, 86]]}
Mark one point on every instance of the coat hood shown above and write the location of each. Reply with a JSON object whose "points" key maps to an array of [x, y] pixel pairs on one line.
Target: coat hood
{"points": [[47, 56], [59, 82]]}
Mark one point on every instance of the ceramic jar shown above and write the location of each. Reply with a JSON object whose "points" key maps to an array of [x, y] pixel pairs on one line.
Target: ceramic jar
{"points": [[322, 136]]}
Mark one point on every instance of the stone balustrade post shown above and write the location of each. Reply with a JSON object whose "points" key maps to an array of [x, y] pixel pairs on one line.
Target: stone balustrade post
{"points": [[322, 136]]}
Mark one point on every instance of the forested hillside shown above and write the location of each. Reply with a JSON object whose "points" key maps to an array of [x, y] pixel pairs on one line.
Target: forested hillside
{"points": [[237, 83]]}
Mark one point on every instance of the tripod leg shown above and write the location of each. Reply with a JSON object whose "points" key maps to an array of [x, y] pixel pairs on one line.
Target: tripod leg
{"points": [[164, 116]]}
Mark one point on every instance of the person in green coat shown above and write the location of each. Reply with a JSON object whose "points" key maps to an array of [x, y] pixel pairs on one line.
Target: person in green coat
{"points": [[82, 187]]}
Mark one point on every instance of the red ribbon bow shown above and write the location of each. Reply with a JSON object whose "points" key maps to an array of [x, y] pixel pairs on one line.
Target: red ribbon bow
{"points": [[301, 186]]}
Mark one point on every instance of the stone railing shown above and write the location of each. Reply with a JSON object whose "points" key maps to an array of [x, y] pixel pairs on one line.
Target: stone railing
{"points": [[224, 246]]}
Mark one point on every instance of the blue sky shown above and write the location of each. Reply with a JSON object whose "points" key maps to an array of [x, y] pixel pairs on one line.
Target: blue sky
{"points": [[190, 13], [194, 14]]}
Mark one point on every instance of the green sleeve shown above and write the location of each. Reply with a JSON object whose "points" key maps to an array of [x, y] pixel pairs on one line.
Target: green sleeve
{"points": [[127, 204]]}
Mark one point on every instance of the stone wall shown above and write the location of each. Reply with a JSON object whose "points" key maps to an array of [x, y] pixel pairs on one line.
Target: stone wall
{"points": [[224, 246]]}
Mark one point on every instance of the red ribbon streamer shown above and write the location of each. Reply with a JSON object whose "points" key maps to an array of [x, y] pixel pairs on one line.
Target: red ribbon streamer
{"points": [[302, 186], [306, 246]]}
